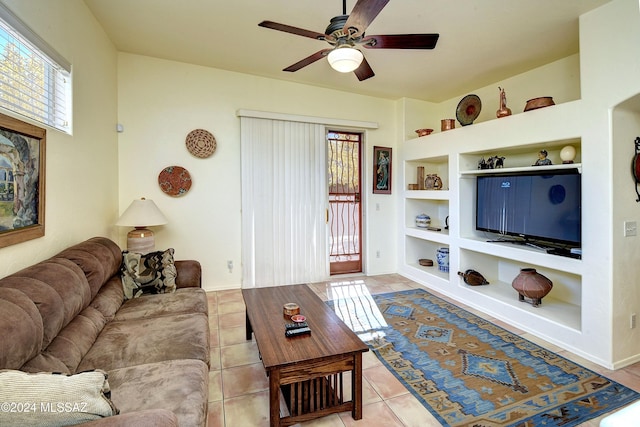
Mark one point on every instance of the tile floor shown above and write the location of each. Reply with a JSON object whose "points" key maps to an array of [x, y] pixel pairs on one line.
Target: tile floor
{"points": [[238, 386]]}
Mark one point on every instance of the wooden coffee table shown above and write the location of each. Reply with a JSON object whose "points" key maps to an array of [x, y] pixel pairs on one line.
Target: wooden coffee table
{"points": [[307, 369]]}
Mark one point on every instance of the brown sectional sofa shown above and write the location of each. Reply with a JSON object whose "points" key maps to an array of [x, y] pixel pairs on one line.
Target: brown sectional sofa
{"points": [[68, 314]]}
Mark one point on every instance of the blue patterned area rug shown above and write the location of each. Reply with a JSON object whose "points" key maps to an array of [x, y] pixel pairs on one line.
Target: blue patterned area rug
{"points": [[469, 372]]}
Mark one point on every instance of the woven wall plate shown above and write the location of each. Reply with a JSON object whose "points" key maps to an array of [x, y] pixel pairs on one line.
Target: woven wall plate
{"points": [[201, 143], [174, 181]]}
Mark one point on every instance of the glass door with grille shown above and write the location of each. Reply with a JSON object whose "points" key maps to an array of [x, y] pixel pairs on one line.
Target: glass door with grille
{"points": [[344, 216]]}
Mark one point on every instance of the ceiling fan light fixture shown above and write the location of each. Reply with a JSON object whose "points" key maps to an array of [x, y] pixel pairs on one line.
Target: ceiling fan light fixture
{"points": [[345, 59]]}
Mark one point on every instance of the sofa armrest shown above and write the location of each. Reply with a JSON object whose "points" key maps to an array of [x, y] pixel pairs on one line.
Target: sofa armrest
{"points": [[143, 418], [189, 274]]}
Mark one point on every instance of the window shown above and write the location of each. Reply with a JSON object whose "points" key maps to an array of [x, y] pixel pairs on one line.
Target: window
{"points": [[35, 81]]}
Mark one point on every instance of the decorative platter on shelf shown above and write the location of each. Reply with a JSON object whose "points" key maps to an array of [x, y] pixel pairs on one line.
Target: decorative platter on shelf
{"points": [[201, 143], [468, 109], [174, 181]]}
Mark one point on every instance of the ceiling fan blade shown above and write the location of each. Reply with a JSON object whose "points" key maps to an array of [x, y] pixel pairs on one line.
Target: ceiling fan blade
{"points": [[308, 60], [293, 30], [401, 41], [363, 13], [364, 71]]}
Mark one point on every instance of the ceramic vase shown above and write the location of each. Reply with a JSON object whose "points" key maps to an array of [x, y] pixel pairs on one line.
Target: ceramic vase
{"points": [[442, 256], [533, 285], [423, 220]]}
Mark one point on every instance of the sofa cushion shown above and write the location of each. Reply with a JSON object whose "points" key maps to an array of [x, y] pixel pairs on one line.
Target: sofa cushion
{"points": [[99, 258], [138, 341], [54, 399], [59, 290], [152, 273], [21, 328], [187, 300], [178, 385]]}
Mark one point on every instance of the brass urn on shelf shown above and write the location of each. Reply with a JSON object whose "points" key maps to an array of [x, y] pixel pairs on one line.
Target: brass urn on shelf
{"points": [[503, 111]]}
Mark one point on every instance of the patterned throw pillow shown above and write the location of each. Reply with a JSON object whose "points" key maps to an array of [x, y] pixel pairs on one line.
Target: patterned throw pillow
{"points": [[152, 273], [50, 399]]}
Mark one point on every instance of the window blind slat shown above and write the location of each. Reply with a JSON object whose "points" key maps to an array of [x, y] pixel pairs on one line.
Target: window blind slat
{"points": [[35, 80]]}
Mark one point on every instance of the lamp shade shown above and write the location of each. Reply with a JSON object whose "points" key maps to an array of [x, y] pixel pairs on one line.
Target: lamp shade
{"points": [[142, 213], [345, 59]]}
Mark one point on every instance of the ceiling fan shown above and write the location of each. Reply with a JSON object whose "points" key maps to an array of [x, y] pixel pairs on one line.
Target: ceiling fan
{"points": [[345, 32]]}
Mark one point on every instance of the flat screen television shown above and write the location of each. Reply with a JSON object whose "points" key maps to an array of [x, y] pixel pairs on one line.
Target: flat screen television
{"points": [[539, 206]]}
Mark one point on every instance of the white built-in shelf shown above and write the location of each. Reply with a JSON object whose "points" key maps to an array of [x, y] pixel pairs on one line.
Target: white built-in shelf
{"points": [[441, 236], [561, 166], [552, 310], [427, 194]]}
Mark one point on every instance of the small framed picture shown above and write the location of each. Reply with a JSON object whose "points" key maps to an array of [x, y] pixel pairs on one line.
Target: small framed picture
{"points": [[381, 170], [22, 175]]}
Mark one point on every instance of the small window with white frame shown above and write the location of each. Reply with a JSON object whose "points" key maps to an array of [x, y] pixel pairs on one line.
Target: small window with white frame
{"points": [[35, 80]]}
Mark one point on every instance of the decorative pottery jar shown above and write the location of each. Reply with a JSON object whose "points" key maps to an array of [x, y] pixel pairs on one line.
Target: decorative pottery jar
{"points": [[442, 256], [533, 285], [473, 278], [447, 124], [423, 220]]}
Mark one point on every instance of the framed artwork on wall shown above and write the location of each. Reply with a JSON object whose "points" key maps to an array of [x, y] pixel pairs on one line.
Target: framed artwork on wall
{"points": [[22, 181], [381, 170]]}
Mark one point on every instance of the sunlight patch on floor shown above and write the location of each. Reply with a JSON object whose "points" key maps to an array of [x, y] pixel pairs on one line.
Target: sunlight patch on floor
{"points": [[356, 308]]}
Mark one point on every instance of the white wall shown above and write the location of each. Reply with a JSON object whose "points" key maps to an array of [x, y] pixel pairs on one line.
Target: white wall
{"points": [[81, 170], [160, 102]]}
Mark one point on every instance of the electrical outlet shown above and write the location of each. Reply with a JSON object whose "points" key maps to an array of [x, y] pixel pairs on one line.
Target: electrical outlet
{"points": [[630, 228], [377, 254], [632, 321], [230, 265]]}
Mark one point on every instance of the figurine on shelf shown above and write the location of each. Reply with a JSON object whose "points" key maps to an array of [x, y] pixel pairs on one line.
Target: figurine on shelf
{"points": [[433, 182], [503, 111], [542, 159], [496, 162], [493, 162]]}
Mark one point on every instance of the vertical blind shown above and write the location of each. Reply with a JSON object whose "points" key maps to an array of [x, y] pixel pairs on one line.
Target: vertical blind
{"points": [[35, 81], [284, 202]]}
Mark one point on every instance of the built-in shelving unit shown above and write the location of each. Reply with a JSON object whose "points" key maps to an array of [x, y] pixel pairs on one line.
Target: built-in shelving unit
{"points": [[454, 155]]}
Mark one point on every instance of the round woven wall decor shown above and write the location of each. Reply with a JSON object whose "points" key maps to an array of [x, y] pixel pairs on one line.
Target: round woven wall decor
{"points": [[201, 143], [174, 181]]}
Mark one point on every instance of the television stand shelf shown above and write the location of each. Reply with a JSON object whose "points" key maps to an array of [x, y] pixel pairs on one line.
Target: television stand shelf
{"points": [[454, 156]]}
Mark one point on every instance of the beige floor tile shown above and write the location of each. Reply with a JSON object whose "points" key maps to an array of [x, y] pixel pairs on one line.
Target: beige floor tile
{"points": [[212, 303], [370, 360], [233, 295], [231, 307], [239, 354], [215, 386], [328, 421], [231, 336], [214, 337], [243, 380], [232, 320], [214, 356], [369, 394], [373, 415], [411, 412], [250, 410], [383, 381], [215, 416]]}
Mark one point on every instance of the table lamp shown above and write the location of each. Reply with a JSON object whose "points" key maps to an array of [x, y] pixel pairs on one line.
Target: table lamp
{"points": [[140, 214]]}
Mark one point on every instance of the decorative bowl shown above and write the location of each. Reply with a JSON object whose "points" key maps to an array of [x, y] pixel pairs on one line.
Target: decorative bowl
{"points": [[426, 262], [535, 103], [423, 132]]}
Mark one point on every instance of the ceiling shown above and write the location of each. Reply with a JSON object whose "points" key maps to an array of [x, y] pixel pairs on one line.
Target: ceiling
{"points": [[481, 41]]}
